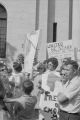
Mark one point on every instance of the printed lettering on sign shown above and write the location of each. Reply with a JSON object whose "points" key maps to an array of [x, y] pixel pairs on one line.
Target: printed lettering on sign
{"points": [[50, 107], [60, 50]]}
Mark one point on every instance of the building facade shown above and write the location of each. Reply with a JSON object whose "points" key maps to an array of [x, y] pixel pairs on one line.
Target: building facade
{"points": [[54, 18]]}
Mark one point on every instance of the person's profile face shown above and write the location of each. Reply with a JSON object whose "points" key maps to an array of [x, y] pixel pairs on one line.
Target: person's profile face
{"points": [[64, 61], [67, 73], [50, 66]]}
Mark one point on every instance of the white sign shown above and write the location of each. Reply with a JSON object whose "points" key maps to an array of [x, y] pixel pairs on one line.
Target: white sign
{"points": [[60, 50], [48, 100], [77, 52], [30, 49], [49, 106]]}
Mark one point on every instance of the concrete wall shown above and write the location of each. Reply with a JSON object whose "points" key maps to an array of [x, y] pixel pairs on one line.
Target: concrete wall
{"points": [[76, 23], [24, 16], [62, 19], [43, 16], [20, 20], [51, 11], [51, 20]]}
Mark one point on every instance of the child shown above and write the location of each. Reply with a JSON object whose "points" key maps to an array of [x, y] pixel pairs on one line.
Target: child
{"points": [[24, 105]]}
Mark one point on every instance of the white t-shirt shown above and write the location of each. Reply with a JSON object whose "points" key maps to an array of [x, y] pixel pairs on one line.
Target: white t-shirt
{"points": [[72, 91]]}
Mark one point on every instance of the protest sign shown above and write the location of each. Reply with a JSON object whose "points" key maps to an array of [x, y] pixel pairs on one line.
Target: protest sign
{"points": [[60, 50], [48, 100], [50, 107], [30, 49], [77, 55]]}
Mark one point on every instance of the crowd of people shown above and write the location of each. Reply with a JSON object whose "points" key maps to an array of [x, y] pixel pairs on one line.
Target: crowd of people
{"points": [[16, 87]]}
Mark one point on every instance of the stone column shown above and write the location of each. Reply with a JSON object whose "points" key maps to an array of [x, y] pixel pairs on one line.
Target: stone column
{"points": [[76, 23], [43, 16]]}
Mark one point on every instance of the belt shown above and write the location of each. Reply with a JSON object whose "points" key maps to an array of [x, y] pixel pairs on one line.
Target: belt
{"points": [[69, 113]]}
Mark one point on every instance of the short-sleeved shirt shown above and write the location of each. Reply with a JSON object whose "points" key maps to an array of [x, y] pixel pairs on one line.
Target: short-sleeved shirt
{"points": [[72, 91], [27, 107]]}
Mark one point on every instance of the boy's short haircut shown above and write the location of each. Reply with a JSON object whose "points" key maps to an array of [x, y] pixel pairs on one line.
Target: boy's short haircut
{"points": [[73, 63], [28, 86]]}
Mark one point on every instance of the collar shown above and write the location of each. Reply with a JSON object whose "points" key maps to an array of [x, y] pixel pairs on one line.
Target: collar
{"points": [[70, 81]]}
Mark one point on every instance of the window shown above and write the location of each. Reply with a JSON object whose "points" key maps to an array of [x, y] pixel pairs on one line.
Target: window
{"points": [[3, 30]]}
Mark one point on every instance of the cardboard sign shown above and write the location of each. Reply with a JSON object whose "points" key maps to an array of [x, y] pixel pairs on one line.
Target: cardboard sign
{"points": [[48, 100], [49, 109], [60, 50]]}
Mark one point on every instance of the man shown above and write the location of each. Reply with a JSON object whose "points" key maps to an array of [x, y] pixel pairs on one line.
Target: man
{"points": [[63, 62], [69, 96]]}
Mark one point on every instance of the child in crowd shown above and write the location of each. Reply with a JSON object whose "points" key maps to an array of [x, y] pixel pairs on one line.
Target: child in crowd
{"points": [[16, 79], [25, 104]]}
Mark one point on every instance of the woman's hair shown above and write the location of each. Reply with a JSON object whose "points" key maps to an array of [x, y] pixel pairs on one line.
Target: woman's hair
{"points": [[54, 62], [17, 66], [28, 86], [41, 67]]}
